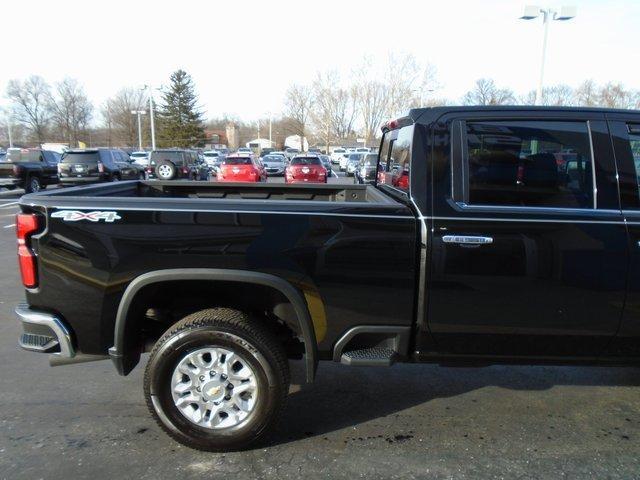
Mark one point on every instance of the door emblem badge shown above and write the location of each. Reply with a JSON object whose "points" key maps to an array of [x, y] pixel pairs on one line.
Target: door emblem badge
{"points": [[95, 216]]}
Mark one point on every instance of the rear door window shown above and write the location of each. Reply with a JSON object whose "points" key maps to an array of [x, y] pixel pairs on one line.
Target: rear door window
{"points": [[529, 164], [634, 143]]}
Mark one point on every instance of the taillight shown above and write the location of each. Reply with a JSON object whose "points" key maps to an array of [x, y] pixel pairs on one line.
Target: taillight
{"points": [[149, 170], [185, 170], [26, 225], [100, 167]]}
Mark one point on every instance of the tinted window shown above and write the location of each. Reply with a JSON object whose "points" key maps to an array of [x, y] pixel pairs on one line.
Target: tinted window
{"points": [[237, 161], [398, 163], [80, 157], [306, 161], [51, 157], [272, 158], [634, 142], [370, 159], [529, 163]]}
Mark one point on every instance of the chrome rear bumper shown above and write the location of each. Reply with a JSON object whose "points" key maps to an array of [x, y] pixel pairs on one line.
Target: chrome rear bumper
{"points": [[44, 333]]}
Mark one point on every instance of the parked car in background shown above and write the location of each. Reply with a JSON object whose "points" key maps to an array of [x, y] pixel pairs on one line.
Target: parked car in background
{"points": [[245, 150], [336, 155], [239, 167], [363, 150], [306, 169], [352, 165], [213, 159], [326, 162], [93, 165], [203, 172], [172, 164], [291, 152], [274, 164], [31, 169], [266, 151], [140, 158], [346, 158], [366, 169]]}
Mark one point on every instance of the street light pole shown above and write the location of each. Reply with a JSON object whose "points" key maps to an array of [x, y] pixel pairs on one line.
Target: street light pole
{"points": [[138, 113], [9, 132], [533, 11], [151, 119]]}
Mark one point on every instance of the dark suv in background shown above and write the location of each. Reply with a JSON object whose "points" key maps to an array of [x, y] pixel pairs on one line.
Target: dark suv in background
{"points": [[97, 165], [172, 164]]}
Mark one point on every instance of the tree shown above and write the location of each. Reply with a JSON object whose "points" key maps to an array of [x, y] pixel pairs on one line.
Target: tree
{"points": [[486, 92], [297, 107], [180, 118], [325, 88], [614, 95], [586, 95], [122, 125], [71, 110], [30, 99], [555, 95]]}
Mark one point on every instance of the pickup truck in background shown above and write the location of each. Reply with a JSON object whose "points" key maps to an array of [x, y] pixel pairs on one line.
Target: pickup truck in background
{"points": [[31, 169], [492, 235]]}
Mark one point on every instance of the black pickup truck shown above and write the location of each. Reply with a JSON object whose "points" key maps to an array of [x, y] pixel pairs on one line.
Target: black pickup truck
{"points": [[32, 169], [492, 235]]}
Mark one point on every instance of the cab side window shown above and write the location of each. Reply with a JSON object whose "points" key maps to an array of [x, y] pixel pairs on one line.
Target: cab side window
{"points": [[634, 143], [529, 164], [397, 164]]}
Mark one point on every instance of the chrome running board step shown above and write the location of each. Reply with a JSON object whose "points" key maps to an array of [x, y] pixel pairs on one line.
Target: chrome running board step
{"points": [[38, 343], [370, 357]]}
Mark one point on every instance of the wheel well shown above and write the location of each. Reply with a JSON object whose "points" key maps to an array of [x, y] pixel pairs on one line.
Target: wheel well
{"points": [[157, 306]]}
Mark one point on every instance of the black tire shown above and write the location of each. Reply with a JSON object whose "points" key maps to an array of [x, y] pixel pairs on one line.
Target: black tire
{"points": [[33, 184], [229, 329], [168, 169], [115, 177]]}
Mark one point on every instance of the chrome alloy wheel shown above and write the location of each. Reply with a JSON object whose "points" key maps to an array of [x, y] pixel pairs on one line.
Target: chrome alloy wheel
{"points": [[214, 388], [164, 171]]}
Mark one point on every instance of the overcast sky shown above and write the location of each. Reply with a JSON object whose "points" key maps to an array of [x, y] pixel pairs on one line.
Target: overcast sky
{"points": [[243, 54]]}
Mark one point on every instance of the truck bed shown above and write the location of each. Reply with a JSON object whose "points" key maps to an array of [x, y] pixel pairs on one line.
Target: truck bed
{"points": [[195, 196], [229, 191]]}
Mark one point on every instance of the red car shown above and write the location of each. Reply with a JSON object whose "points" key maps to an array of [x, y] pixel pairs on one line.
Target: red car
{"points": [[305, 170], [239, 167]]}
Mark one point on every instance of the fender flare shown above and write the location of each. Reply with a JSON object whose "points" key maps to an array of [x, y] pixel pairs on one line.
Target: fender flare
{"points": [[117, 353]]}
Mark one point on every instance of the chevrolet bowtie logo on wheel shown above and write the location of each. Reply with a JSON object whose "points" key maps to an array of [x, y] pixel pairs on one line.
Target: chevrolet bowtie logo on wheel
{"points": [[76, 216]]}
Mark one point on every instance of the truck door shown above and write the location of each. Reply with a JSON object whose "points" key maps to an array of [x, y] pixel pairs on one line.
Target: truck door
{"points": [[529, 250], [625, 134]]}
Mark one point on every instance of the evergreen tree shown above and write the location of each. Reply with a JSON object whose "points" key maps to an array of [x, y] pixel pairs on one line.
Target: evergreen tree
{"points": [[180, 119]]}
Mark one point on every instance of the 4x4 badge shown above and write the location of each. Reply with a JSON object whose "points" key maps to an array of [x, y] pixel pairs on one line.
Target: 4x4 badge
{"points": [[76, 216]]}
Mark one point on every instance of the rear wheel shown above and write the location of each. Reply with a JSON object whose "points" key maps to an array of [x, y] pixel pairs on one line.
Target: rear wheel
{"points": [[33, 185], [217, 380]]}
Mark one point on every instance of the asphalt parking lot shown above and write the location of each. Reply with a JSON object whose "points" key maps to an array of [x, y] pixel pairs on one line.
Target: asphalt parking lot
{"points": [[409, 421]]}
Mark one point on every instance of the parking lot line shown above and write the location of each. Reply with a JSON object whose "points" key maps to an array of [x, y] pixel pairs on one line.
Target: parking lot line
{"points": [[9, 226], [5, 205]]}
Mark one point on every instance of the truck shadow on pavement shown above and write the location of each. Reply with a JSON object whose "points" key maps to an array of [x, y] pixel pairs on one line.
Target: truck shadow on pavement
{"points": [[347, 397]]}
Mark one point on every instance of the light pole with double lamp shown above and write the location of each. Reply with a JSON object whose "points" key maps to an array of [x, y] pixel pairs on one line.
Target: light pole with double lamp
{"points": [[138, 113], [534, 11]]}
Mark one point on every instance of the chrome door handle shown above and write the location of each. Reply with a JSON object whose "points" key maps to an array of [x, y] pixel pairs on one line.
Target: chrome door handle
{"points": [[467, 240]]}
